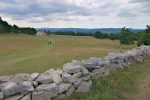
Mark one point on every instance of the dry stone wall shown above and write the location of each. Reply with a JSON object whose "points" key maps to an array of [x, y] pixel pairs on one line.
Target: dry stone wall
{"points": [[74, 77]]}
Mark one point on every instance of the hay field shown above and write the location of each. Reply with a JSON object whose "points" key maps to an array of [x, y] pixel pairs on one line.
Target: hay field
{"points": [[27, 54]]}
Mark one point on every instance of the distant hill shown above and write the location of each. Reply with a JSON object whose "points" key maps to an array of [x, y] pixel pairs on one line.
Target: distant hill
{"points": [[86, 30]]}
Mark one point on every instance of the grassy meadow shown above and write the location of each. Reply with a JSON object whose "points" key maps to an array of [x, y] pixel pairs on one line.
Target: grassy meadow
{"points": [[24, 53]]}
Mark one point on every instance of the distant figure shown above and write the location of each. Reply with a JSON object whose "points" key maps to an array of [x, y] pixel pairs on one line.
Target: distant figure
{"points": [[50, 43]]}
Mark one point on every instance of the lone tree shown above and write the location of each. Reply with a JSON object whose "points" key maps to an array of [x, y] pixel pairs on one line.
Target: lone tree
{"points": [[144, 38], [126, 36]]}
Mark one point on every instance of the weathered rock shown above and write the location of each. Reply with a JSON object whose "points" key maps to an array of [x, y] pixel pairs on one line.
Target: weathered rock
{"points": [[55, 76], [6, 78], [52, 89], [77, 75], [16, 97], [50, 71], [77, 83], [68, 78], [90, 63], [1, 95], [21, 77], [84, 71], [72, 68], [59, 71], [97, 71], [11, 88], [35, 84], [70, 90], [41, 95], [26, 97], [85, 78], [34, 76], [44, 78], [84, 86], [27, 86], [63, 87], [105, 62]]}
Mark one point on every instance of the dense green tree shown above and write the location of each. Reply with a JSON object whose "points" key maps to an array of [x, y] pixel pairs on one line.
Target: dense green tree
{"points": [[126, 36], [28, 30], [147, 30], [144, 37], [101, 35], [71, 33], [113, 36], [15, 29], [98, 34], [5, 28]]}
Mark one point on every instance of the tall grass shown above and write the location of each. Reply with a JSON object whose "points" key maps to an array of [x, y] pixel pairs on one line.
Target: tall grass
{"points": [[122, 84]]}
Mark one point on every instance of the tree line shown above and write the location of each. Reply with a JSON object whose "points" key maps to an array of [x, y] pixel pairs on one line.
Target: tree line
{"points": [[97, 34], [6, 28], [126, 36]]}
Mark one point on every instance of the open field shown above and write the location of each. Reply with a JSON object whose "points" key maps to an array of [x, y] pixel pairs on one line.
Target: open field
{"points": [[23, 53]]}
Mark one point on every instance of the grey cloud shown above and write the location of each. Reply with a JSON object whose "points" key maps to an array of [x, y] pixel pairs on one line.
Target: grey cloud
{"points": [[126, 13], [144, 5], [141, 1], [94, 11], [8, 1], [139, 7], [35, 9]]}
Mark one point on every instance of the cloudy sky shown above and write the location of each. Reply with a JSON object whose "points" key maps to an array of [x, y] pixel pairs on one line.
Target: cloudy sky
{"points": [[76, 13]]}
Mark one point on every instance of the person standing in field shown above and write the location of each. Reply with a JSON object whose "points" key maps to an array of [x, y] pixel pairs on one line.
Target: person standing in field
{"points": [[50, 43]]}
